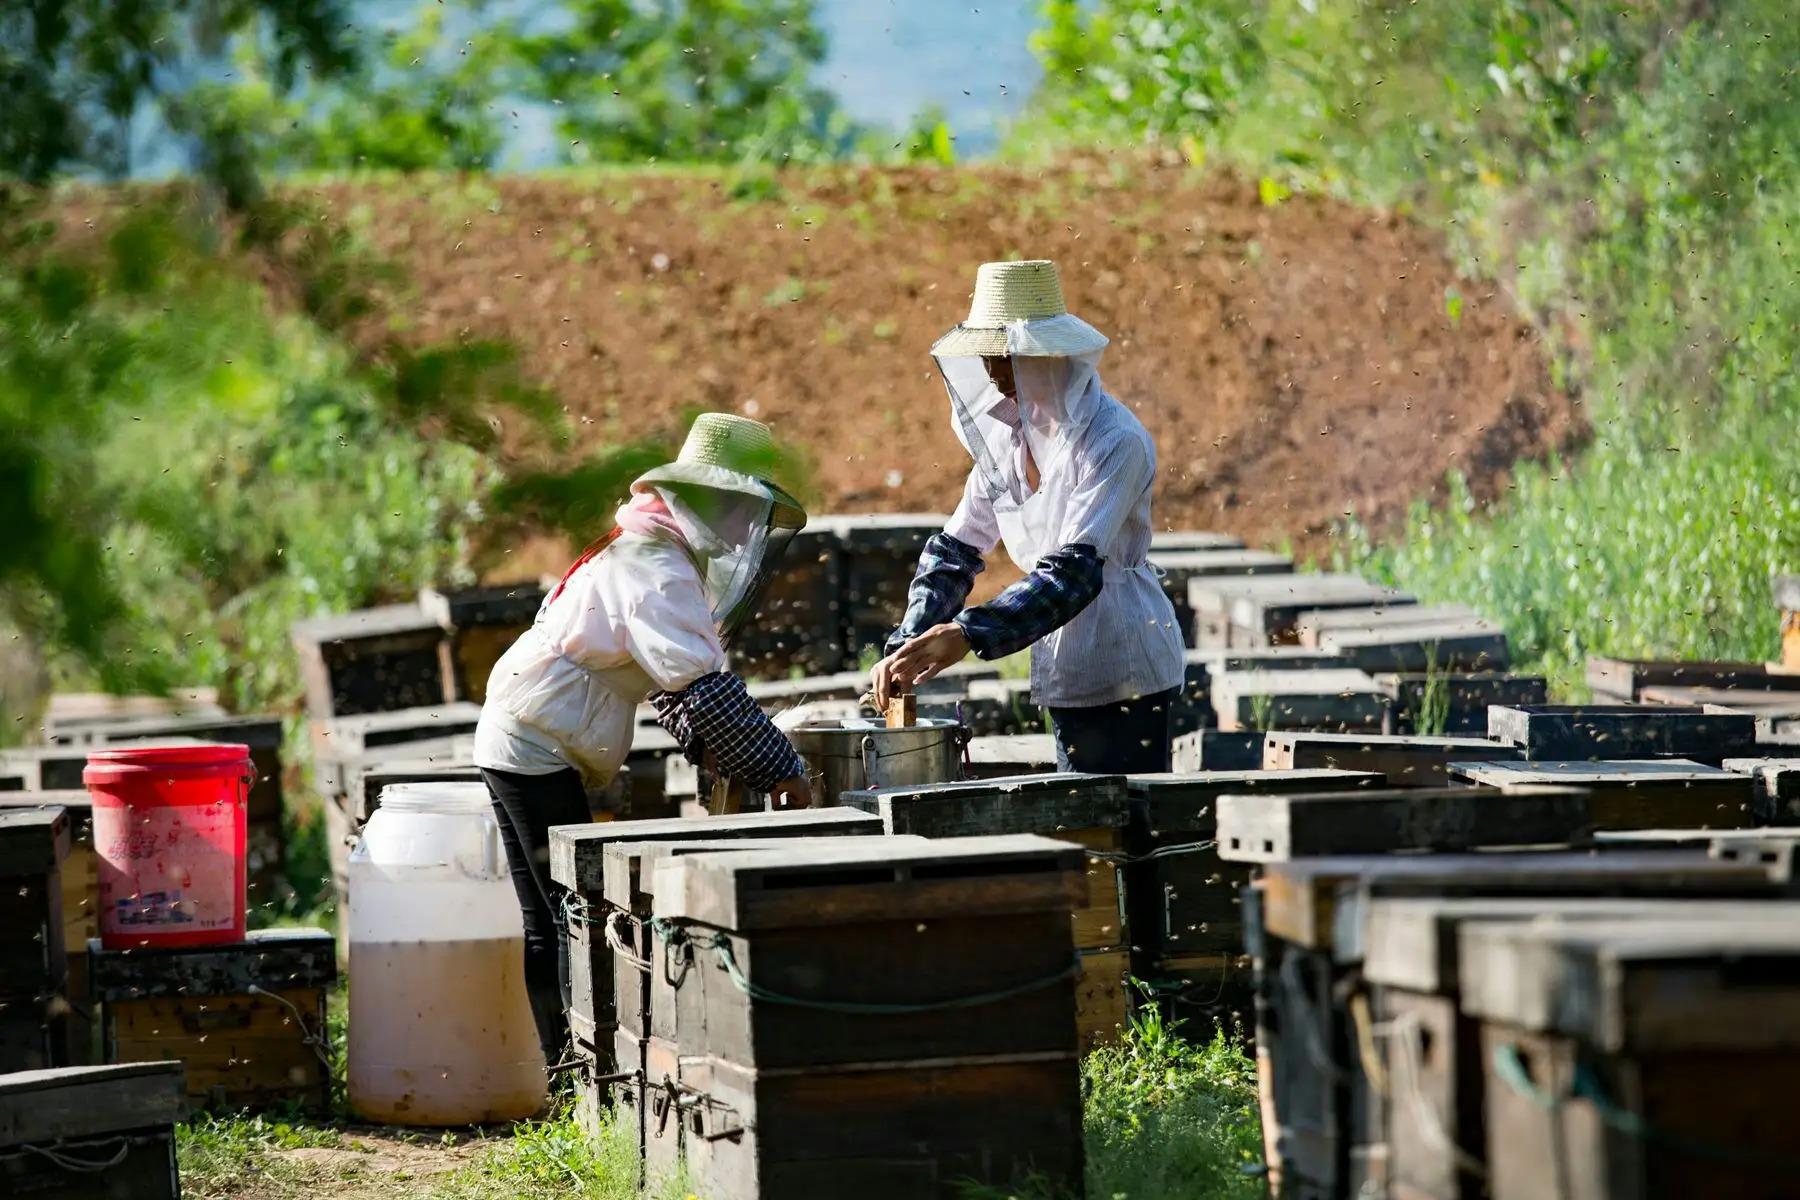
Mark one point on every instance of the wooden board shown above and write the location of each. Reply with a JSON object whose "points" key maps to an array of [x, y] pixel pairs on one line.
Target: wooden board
{"points": [[266, 958], [1263, 829], [1319, 902], [1465, 697], [1102, 999], [1777, 787], [1621, 680], [1311, 626], [240, 1051], [577, 852], [1633, 794], [1405, 761], [1217, 750], [1045, 804], [1561, 733], [357, 736], [891, 1132], [1017, 754], [68, 1103], [1424, 646], [1329, 699]]}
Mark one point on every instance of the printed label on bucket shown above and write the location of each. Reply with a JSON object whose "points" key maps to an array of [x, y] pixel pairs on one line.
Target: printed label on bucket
{"points": [[165, 868]]}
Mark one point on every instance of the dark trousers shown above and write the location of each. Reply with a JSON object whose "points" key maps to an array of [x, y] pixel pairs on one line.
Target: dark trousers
{"points": [[1133, 737], [526, 806]]}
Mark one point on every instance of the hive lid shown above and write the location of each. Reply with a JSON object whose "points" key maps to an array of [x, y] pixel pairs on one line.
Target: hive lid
{"points": [[629, 865], [1186, 802], [272, 959], [32, 840], [1041, 803], [38, 1107], [577, 852], [858, 880]]}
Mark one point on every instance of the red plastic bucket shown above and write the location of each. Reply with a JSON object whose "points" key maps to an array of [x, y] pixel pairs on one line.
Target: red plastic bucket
{"points": [[169, 836]]}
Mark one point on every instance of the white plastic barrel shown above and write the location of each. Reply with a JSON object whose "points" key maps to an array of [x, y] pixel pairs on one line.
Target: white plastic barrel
{"points": [[440, 1027]]}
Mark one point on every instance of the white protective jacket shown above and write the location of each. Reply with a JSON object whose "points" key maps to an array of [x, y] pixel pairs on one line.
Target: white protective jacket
{"points": [[1096, 464], [632, 620]]}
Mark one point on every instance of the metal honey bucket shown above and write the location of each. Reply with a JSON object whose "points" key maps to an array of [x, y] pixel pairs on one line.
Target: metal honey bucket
{"points": [[856, 753]]}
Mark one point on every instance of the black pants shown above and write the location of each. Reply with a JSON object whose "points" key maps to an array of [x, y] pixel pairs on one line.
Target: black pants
{"points": [[1133, 737], [526, 806]]}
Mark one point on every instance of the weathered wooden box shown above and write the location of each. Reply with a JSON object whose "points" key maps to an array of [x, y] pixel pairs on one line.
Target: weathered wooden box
{"points": [[1628, 1059], [1462, 645], [1180, 567], [1088, 810], [1003, 755], [893, 1018], [1261, 829], [1623, 680], [91, 1133], [248, 1018], [1330, 699], [80, 876], [1184, 904], [1776, 795], [481, 624], [1311, 627], [1194, 710], [1453, 702], [578, 863], [1565, 733], [1666, 793], [1218, 750], [1406, 760], [1264, 611], [34, 842], [374, 660]]}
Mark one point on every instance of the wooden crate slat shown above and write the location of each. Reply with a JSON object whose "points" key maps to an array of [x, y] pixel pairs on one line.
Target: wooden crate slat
{"points": [[1406, 760], [1275, 828]]}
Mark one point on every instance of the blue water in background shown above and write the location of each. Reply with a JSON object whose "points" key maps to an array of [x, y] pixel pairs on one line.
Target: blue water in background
{"points": [[889, 59]]}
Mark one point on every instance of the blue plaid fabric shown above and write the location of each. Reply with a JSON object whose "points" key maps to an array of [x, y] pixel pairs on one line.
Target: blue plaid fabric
{"points": [[716, 713], [1063, 583]]}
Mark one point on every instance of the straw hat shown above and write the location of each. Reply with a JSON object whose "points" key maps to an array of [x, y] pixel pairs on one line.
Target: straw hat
{"points": [[1011, 292], [731, 453]]}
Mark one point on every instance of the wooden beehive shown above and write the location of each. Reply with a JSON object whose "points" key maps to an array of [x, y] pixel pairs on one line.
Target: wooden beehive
{"points": [[1329, 699], [1571, 732], [578, 863], [1310, 627], [1323, 1128], [1776, 794], [1003, 755], [1216, 750], [798, 622], [1623, 680], [34, 842], [1179, 567], [374, 660], [1184, 905], [247, 1018], [1667, 793], [876, 1017], [1261, 829], [1266, 610], [1463, 699], [1406, 760], [1435, 1115], [80, 887], [1087, 810], [482, 623], [1194, 710], [879, 553], [1630, 1059], [91, 1133]]}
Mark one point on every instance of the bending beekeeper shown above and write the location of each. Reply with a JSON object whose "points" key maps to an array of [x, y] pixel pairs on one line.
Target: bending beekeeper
{"points": [[645, 612], [1062, 475]]}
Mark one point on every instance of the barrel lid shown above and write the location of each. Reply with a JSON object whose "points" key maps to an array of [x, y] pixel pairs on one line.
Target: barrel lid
{"points": [[182, 753]]}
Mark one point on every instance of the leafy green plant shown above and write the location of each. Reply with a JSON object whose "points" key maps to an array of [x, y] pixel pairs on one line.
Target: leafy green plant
{"points": [[1434, 700]]}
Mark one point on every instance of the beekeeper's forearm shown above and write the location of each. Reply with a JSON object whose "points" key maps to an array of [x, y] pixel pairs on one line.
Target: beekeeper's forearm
{"points": [[1059, 587], [744, 743], [945, 575]]}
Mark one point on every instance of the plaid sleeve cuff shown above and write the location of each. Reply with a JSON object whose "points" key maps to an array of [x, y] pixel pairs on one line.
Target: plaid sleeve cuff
{"points": [[1063, 583], [946, 572], [672, 715], [745, 744]]}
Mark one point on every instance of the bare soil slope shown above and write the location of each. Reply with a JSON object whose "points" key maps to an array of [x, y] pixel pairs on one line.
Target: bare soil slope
{"points": [[1294, 361]]}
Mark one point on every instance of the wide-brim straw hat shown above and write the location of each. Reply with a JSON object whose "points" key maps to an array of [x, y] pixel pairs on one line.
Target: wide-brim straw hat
{"points": [[1028, 298], [733, 454]]}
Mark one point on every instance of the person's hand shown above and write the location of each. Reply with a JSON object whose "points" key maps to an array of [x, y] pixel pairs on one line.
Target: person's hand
{"points": [[791, 793], [884, 683], [924, 656]]}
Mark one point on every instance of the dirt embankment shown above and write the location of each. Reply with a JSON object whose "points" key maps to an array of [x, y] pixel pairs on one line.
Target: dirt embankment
{"points": [[1295, 362]]}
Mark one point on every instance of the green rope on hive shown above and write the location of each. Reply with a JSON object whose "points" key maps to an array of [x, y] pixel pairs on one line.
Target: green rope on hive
{"points": [[720, 944], [1509, 1065]]}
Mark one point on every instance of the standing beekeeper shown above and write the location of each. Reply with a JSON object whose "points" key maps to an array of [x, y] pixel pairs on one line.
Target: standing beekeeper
{"points": [[645, 612], [1061, 475]]}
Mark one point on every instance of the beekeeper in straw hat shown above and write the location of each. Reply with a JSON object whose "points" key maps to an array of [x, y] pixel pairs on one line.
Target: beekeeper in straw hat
{"points": [[644, 612], [1061, 476]]}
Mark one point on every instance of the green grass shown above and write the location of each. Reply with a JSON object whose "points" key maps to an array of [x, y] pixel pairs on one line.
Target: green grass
{"points": [[1164, 1117]]}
